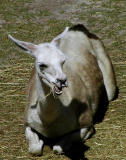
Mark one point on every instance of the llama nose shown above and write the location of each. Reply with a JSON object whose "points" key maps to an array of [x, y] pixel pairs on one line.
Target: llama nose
{"points": [[63, 82]]}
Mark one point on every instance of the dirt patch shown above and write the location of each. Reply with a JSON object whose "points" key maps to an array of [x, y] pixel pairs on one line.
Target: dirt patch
{"points": [[100, 16], [60, 10]]}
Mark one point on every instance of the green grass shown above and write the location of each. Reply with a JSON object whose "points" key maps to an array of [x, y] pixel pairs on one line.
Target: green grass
{"points": [[108, 21]]}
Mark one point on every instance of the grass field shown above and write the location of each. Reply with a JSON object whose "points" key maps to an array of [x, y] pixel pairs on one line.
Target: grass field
{"points": [[39, 21]]}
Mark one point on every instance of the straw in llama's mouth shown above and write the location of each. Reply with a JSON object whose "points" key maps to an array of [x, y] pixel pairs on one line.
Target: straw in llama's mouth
{"points": [[57, 90]]}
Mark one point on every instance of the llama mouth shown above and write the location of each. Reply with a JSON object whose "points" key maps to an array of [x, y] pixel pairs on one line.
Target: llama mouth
{"points": [[58, 90]]}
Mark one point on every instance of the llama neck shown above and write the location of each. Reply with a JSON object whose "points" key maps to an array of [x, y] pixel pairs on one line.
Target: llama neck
{"points": [[43, 90], [48, 105]]}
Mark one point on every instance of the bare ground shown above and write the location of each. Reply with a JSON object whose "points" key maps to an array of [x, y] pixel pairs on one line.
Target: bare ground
{"points": [[39, 21]]}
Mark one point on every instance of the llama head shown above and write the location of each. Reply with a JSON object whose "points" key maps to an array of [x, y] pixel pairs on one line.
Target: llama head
{"points": [[49, 61]]}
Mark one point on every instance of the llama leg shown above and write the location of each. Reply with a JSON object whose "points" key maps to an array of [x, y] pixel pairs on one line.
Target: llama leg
{"points": [[35, 144], [86, 133]]}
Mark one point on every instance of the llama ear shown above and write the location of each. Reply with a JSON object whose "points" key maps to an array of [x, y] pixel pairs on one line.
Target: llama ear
{"points": [[56, 40], [28, 47]]}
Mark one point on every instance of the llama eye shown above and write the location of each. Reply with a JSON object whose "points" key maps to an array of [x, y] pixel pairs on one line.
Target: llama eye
{"points": [[43, 66]]}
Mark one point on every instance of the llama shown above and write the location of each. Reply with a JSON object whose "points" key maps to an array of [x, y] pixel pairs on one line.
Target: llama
{"points": [[70, 75]]}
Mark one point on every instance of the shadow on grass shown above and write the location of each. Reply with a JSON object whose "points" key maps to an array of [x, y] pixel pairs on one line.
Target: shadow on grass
{"points": [[76, 152]]}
